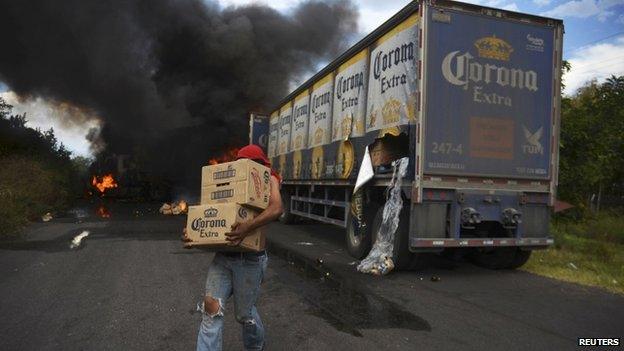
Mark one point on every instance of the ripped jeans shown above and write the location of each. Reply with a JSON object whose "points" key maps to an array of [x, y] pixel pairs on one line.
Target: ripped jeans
{"points": [[240, 275]]}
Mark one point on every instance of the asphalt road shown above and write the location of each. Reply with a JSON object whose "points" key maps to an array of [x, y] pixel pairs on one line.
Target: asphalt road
{"points": [[130, 285]]}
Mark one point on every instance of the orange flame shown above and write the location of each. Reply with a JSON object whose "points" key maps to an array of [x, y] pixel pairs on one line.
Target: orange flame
{"points": [[183, 206], [229, 155], [103, 212], [106, 182]]}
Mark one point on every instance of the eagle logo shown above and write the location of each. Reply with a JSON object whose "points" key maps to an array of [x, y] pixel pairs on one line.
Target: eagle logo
{"points": [[533, 145]]}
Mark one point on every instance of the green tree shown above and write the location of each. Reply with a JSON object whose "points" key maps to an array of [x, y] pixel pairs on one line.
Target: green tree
{"points": [[37, 174], [592, 142], [5, 109]]}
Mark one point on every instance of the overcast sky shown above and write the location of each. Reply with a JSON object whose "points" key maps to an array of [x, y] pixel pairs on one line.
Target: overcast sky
{"points": [[593, 43]]}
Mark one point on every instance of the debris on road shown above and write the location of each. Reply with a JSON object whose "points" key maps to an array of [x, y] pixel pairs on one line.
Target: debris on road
{"points": [[175, 208], [46, 217], [78, 239], [379, 260], [435, 278], [102, 212], [304, 243]]}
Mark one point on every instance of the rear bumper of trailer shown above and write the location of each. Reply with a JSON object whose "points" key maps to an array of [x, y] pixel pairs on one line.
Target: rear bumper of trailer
{"points": [[532, 243]]}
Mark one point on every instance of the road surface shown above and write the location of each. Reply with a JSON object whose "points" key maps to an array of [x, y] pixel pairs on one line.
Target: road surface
{"points": [[130, 285]]}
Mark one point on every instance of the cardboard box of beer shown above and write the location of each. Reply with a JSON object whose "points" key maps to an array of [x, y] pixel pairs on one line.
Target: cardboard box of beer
{"points": [[243, 181], [207, 224]]}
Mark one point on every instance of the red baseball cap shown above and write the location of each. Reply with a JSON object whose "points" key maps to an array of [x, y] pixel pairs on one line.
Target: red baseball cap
{"points": [[253, 152]]}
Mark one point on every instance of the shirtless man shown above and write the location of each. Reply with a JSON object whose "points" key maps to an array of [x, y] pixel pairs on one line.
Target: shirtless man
{"points": [[239, 274]]}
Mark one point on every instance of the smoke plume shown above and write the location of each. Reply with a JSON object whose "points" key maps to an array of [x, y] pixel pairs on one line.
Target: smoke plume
{"points": [[170, 80]]}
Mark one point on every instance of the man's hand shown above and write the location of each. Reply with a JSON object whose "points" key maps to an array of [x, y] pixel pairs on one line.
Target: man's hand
{"points": [[186, 239], [238, 233]]}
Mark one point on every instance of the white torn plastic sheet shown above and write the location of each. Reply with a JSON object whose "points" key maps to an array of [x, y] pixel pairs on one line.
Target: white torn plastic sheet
{"points": [[379, 260], [78, 239], [366, 172]]}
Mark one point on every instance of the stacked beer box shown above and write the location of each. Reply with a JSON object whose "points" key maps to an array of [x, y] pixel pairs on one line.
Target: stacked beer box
{"points": [[231, 192]]}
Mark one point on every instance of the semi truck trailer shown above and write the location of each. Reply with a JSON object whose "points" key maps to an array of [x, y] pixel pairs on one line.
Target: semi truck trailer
{"points": [[470, 95]]}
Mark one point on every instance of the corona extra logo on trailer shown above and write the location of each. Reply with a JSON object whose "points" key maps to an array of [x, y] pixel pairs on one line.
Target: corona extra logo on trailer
{"points": [[351, 87], [321, 98], [393, 77], [300, 121], [464, 71]]}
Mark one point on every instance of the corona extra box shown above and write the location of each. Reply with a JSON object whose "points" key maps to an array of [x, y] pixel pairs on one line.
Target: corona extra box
{"points": [[244, 182], [207, 224], [245, 193]]}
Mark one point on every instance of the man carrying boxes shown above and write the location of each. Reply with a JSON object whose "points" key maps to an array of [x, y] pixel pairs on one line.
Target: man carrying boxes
{"points": [[237, 200]]}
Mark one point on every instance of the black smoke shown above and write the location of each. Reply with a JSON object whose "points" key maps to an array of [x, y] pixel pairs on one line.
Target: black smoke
{"points": [[171, 80]]}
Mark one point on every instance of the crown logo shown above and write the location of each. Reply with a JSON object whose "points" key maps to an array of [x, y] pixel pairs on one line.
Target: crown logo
{"points": [[211, 212], [494, 48], [318, 136], [391, 112]]}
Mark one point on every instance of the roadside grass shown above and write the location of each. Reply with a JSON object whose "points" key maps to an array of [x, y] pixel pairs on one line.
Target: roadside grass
{"points": [[28, 189], [590, 252]]}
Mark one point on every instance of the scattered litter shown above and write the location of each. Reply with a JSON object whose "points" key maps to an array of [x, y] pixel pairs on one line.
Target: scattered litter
{"points": [[174, 208], [435, 278], [304, 243], [573, 266], [79, 213], [78, 239], [421, 278], [353, 263], [46, 217], [615, 281], [319, 261], [379, 260], [366, 171]]}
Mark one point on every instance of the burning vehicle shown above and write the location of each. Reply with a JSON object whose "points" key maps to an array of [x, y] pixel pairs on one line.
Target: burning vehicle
{"points": [[120, 177]]}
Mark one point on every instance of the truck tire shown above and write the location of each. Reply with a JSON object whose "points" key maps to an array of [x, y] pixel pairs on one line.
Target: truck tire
{"points": [[522, 256], [287, 217], [359, 243], [403, 258], [494, 258]]}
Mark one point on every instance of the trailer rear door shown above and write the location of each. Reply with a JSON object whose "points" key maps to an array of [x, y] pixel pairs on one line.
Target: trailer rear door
{"points": [[489, 96]]}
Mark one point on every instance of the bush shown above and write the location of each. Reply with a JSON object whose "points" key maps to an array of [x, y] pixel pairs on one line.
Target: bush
{"points": [[28, 189]]}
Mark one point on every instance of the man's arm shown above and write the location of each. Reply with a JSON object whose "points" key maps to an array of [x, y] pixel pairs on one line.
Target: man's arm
{"points": [[271, 213]]}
